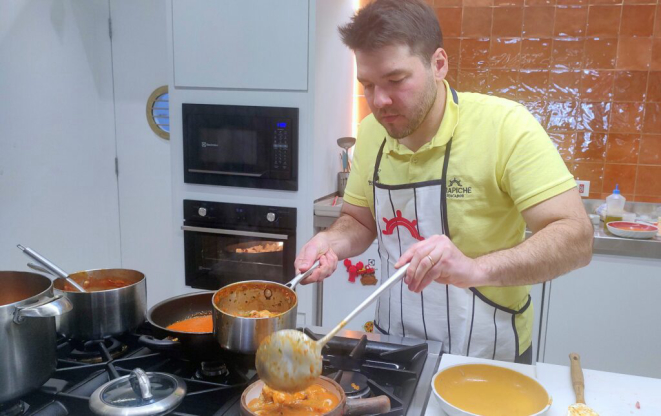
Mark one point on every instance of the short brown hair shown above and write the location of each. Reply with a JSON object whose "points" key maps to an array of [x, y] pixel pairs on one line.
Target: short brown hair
{"points": [[392, 22]]}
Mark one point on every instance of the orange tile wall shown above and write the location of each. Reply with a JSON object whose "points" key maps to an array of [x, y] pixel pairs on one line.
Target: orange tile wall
{"points": [[589, 70]]}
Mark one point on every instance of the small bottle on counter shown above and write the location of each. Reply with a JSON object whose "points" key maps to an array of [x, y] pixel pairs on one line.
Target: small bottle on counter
{"points": [[614, 207]]}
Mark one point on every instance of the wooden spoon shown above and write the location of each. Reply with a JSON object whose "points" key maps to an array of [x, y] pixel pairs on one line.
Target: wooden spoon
{"points": [[289, 361], [579, 408]]}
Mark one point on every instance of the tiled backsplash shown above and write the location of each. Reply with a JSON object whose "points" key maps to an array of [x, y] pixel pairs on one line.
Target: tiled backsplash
{"points": [[589, 70]]}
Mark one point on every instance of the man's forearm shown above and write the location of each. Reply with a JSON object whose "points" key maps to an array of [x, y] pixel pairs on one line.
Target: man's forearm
{"points": [[553, 251], [348, 237]]}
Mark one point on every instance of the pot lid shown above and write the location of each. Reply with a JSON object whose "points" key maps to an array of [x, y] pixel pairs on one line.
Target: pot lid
{"points": [[139, 394]]}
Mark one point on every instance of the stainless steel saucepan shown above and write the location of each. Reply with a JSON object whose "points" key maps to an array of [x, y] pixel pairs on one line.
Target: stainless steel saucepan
{"points": [[115, 301], [239, 333]]}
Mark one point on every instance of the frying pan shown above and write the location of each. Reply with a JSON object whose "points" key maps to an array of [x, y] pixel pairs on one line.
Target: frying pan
{"points": [[196, 346], [352, 407]]}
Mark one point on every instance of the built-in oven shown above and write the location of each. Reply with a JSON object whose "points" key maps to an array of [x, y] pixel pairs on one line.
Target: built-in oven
{"points": [[244, 146], [226, 243]]}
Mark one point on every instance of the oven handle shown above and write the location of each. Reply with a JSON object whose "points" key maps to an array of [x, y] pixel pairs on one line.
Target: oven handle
{"points": [[234, 232], [220, 172]]}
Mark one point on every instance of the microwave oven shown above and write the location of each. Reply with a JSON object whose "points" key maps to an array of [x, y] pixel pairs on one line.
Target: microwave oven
{"points": [[243, 146]]}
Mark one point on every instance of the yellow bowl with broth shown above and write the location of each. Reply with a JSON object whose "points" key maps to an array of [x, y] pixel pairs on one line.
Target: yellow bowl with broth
{"points": [[489, 390]]}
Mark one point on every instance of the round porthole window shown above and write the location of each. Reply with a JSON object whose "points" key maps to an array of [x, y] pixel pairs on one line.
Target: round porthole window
{"points": [[158, 112]]}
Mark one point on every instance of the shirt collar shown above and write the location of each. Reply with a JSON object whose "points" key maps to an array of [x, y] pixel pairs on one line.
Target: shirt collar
{"points": [[445, 130]]}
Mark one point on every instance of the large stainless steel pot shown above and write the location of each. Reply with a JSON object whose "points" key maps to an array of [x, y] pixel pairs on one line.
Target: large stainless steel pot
{"points": [[106, 312], [27, 332]]}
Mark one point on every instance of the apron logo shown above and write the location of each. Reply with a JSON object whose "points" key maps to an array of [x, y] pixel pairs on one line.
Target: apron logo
{"points": [[456, 190], [400, 221]]}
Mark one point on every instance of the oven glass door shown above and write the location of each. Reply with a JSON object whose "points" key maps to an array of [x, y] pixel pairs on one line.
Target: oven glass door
{"points": [[235, 146], [217, 257]]}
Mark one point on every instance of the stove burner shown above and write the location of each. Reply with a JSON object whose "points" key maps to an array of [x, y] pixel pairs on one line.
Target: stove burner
{"points": [[93, 351], [212, 371], [13, 408], [354, 384]]}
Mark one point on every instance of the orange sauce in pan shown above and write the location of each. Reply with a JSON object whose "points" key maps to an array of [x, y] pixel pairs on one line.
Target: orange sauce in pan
{"points": [[202, 323], [96, 285], [315, 400]]}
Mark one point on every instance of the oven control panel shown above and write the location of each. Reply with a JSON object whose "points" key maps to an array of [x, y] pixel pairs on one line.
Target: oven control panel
{"points": [[228, 215]]}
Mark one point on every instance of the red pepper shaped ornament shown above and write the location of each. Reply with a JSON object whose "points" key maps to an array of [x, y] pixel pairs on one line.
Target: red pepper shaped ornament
{"points": [[352, 274]]}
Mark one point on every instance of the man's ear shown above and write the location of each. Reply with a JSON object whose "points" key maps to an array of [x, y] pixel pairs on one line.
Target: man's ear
{"points": [[440, 64]]}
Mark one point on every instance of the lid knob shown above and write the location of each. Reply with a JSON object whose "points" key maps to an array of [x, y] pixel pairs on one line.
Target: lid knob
{"points": [[140, 384]]}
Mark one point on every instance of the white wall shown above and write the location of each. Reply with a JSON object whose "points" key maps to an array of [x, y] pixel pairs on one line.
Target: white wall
{"points": [[58, 190], [140, 65], [323, 103]]}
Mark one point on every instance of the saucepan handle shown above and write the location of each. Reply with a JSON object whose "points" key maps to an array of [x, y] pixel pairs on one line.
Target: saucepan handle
{"points": [[296, 280], [370, 406], [46, 308], [159, 344]]}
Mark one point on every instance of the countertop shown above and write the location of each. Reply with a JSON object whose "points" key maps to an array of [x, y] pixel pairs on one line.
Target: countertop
{"points": [[609, 394], [325, 212]]}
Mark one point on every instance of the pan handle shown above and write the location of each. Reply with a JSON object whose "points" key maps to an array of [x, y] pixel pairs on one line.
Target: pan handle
{"points": [[159, 344], [49, 307], [370, 406], [296, 280]]}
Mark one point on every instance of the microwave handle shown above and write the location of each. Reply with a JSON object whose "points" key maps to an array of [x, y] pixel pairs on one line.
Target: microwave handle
{"points": [[220, 172], [234, 232]]}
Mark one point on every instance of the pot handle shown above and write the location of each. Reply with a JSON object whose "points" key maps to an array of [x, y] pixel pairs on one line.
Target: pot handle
{"points": [[296, 280], [46, 308], [159, 344], [369, 406]]}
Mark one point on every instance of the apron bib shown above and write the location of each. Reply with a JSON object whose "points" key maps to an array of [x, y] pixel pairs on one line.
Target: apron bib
{"points": [[465, 321]]}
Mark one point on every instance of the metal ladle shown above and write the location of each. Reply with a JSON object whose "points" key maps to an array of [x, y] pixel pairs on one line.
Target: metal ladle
{"points": [[290, 361], [52, 268]]}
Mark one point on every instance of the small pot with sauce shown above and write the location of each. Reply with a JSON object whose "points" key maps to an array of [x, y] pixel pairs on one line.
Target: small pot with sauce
{"points": [[325, 397], [244, 313], [115, 302], [183, 327]]}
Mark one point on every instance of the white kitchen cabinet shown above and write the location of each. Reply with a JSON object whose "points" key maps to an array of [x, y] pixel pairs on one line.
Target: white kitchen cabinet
{"points": [[250, 44], [609, 313], [341, 296]]}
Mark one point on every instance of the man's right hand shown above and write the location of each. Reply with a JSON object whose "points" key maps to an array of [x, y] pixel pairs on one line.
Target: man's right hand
{"points": [[318, 248]]}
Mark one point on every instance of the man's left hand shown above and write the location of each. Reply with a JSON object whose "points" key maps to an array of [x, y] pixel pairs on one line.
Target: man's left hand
{"points": [[438, 259]]}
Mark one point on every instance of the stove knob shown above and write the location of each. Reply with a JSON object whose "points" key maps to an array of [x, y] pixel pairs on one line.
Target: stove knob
{"points": [[270, 217], [202, 211]]}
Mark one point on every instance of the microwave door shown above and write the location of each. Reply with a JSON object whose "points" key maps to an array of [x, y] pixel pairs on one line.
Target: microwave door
{"points": [[231, 150]]}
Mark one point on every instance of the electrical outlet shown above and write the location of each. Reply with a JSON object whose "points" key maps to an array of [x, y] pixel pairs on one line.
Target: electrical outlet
{"points": [[583, 188]]}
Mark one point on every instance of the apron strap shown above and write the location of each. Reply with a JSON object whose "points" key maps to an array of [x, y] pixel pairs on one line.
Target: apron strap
{"points": [[375, 175]]}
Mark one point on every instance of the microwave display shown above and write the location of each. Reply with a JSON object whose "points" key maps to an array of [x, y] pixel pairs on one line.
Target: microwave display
{"points": [[254, 147]]}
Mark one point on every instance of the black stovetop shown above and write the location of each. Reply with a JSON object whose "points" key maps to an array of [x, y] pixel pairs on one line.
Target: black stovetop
{"points": [[365, 368]]}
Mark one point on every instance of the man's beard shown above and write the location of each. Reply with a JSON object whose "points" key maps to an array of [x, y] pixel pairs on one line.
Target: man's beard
{"points": [[418, 114]]}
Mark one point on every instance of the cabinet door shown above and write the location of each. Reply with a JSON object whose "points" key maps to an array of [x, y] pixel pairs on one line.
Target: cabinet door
{"points": [[249, 44], [342, 296], [609, 313]]}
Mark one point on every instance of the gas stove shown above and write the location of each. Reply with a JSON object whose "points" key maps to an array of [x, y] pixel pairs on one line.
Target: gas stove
{"points": [[364, 364]]}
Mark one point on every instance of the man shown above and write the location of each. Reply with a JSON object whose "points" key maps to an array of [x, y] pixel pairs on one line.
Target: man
{"points": [[448, 181]]}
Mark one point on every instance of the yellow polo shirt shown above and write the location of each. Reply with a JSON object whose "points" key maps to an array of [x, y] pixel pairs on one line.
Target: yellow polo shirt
{"points": [[501, 162]]}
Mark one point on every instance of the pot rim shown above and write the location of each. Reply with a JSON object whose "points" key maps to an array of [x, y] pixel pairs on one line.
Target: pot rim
{"points": [[142, 280], [165, 301], [217, 293], [48, 292]]}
